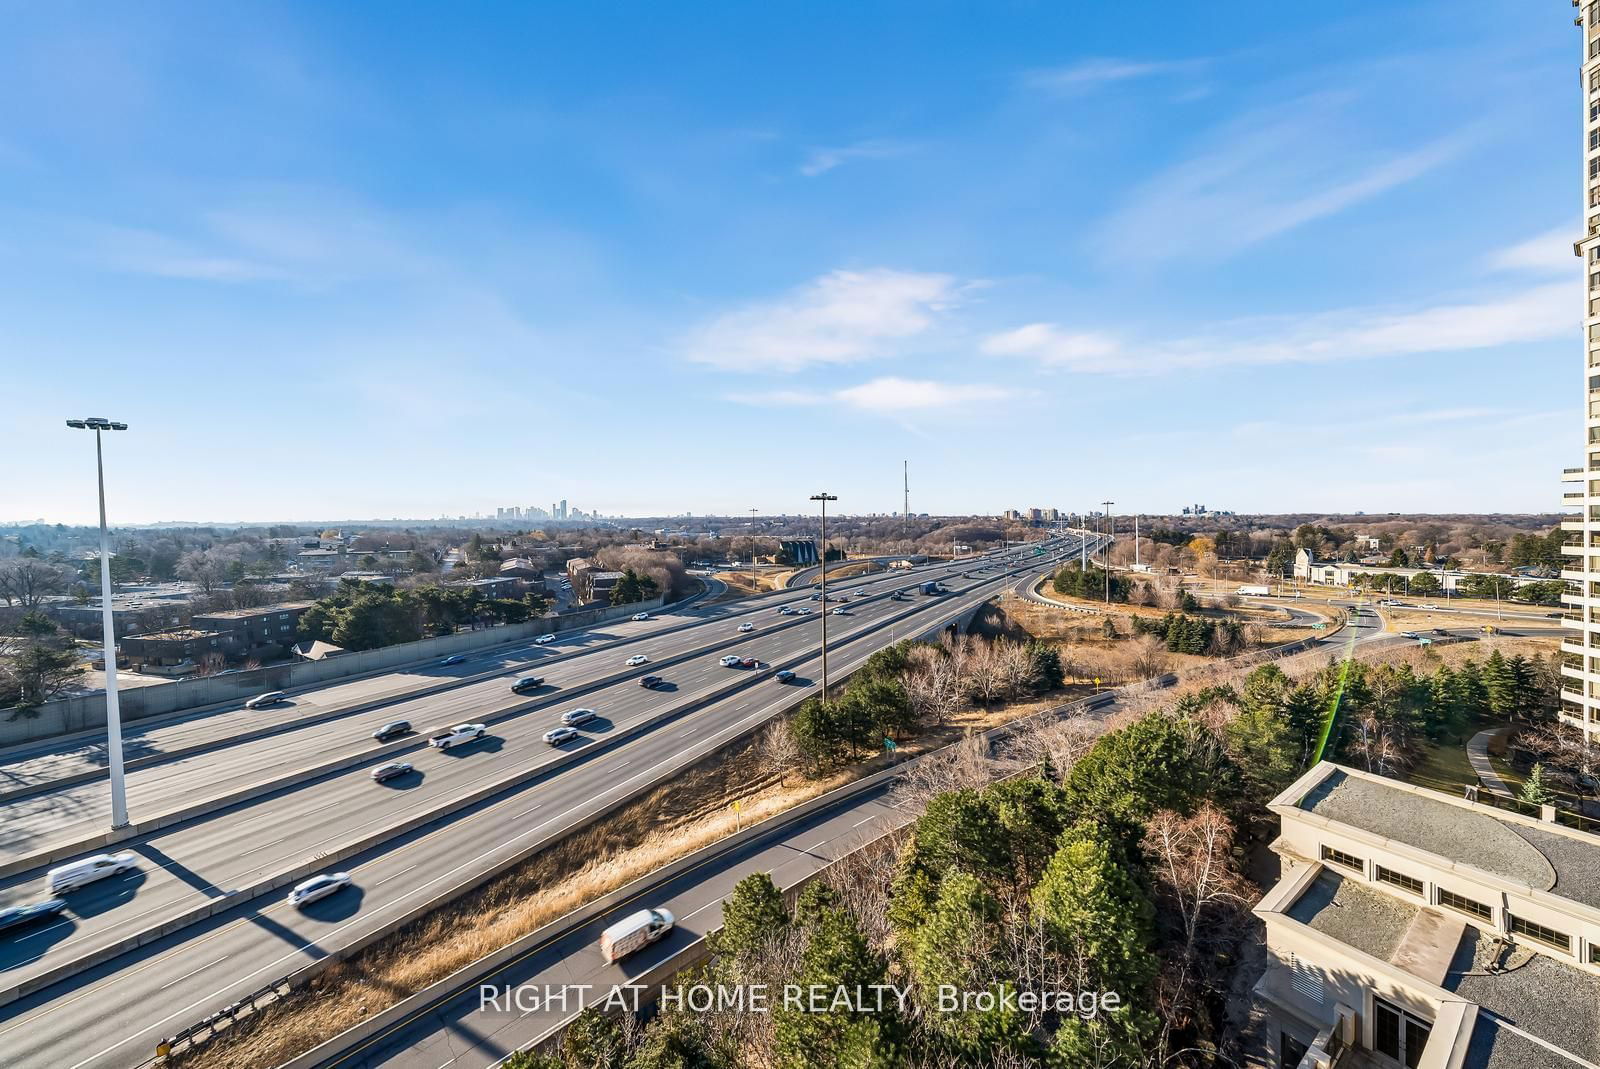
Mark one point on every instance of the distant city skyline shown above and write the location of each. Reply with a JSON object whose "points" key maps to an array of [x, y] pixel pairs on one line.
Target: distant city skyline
{"points": [[365, 261]]}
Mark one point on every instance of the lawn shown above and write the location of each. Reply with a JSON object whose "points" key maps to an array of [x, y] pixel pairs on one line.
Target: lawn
{"points": [[1443, 766]]}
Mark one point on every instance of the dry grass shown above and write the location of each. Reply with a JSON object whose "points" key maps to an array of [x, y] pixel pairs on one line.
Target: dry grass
{"points": [[1422, 620], [692, 812]]}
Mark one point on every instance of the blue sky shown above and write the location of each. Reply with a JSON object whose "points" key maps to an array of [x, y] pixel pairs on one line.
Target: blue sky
{"points": [[372, 260]]}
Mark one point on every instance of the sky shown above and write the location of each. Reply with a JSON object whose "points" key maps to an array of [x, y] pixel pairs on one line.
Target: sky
{"points": [[371, 260]]}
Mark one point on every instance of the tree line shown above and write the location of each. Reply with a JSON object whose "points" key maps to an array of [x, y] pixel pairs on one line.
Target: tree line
{"points": [[360, 616]]}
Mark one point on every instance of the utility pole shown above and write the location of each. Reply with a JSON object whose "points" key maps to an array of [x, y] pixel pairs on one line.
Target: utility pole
{"points": [[905, 508], [119, 790], [752, 551], [1111, 533], [824, 498], [1135, 541]]}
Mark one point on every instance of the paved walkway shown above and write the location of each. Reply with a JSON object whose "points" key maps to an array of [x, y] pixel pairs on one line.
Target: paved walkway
{"points": [[1478, 757]]}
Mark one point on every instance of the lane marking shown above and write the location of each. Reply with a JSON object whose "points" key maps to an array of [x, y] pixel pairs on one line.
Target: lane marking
{"points": [[392, 875], [190, 973]]}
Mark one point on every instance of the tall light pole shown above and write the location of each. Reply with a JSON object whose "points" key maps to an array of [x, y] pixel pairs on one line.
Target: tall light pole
{"points": [[119, 791], [823, 498], [753, 589]]}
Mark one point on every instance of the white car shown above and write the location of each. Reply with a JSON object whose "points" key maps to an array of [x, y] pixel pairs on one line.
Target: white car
{"points": [[544, 640], [556, 736], [641, 616], [319, 887], [747, 627], [1409, 634], [839, 611], [784, 610], [636, 660], [573, 717], [730, 661]]}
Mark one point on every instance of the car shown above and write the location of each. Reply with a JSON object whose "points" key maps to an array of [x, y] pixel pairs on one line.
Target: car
{"points": [[747, 626], [783, 676], [392, 730], [261, 701], [784, 610], [650, 682], [1440, 631], [17, 916], [454, 658], [749, 662], [861, 593], [573, 717], [839, 611], [544, 640], [802, 612], [730, 661], [527, 683], [87, 870], [641, 616], [1409, 634], [445, 738], [1430, 606], [556, 736], [816, 597], [390, 771], [319, 887], [636, 660]]}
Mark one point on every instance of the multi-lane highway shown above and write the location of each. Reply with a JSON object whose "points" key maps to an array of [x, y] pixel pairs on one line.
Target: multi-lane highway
{"points": [[158, 988]]}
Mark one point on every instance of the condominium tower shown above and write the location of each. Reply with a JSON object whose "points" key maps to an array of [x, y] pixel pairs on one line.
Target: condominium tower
{"points": [[1580, 693]]}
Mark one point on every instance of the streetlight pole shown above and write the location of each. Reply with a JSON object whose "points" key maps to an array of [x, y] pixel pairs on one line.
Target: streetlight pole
{"points": [[823, 499], [119, 790], [753, 589]]}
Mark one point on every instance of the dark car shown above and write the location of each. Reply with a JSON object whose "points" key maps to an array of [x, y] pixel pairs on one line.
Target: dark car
{"points": [[17, 916], [390, 771], [454, 658], [783, 676], [527, 683], [392, 730], [1440, 631], [651, 682], [749, 662]]}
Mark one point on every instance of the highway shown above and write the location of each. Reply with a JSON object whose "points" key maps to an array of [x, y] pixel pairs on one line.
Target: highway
{"points": [[165, 985]]}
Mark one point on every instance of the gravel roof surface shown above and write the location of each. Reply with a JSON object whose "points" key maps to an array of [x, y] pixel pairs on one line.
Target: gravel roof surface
{"points": [[1577, 863], [1538, 994], [1354, 914], [1493, 1047], [1438, 827]]}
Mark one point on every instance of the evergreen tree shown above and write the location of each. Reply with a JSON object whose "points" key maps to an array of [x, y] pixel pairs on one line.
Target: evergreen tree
{"points": [[1048, 675], [1499, 685], [1535, 791], [592, 1041], [751, 916], [837, 958]]}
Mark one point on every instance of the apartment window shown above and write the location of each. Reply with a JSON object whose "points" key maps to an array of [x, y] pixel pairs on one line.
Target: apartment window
{"points": [[1594, 139], [1594, 111], [1339, 857], [1290, 1051], [1464, 904], [1398, 879], [1594, 953], [1594, 168], [1594, 80], [1539, 933], [1400, 1035]]}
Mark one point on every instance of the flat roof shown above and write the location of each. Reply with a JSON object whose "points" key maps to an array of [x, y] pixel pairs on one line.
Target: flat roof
{"points": [[1534, 995], [1548, 858], [1356, 915], [260, 610], [178, 635]]}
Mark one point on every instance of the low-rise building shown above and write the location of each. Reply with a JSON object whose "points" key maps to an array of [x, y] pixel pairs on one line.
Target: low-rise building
{"points": [[1413, 928], [178, 651], [326, 561]]}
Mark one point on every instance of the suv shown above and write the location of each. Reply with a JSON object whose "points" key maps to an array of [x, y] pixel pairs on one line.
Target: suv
{"points": [[641, 616], [730, 661], [392, 730], [783, 676], [556, 736], [650, 682], [527, 683]]}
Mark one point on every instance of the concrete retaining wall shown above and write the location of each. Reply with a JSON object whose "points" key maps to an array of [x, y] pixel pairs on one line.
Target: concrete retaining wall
{"points": [[87, 712]]}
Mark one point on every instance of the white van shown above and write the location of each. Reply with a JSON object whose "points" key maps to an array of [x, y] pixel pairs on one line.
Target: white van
{"points": [[79, 873], [634, 932]]}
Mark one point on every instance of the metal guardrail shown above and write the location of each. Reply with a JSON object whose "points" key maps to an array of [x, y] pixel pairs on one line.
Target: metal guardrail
{"points": [[211, 1025]]}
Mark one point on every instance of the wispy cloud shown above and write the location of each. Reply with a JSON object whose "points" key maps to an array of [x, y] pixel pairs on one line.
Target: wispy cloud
{"points": [[1087, 75], [822, 160], [1259, 176], [1524, 315], [136, 251], [1547, 253], [840, 318], [888, 395]]}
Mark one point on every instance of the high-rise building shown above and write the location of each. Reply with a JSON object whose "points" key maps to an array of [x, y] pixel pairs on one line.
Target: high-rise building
{"points": [[1580, 692], [563, 513]]}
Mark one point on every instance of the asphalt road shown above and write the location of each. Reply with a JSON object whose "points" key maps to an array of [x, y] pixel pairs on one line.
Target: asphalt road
{"points": [[480, 684], [150, 992]]}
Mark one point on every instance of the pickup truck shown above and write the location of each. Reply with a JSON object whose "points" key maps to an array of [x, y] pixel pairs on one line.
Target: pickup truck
{"points": [[461, 733], [634, 932]]}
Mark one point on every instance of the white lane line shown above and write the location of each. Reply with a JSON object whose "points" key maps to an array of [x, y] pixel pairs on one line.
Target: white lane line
{"points": [[191, 972], [868, 820], [818, 846], [525, 812], [392, 875], [625, 763]]}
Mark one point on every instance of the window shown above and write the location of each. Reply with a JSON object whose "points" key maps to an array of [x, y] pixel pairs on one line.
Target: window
{"points": [[1399, 1034], [1539, 933], [1290, 1051], [1594, 953], [1594, 168], [1339, 857], [1399, 879], [1465, 905], [1594, 138]]}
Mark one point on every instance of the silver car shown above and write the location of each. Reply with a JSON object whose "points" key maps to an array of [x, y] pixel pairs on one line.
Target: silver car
{"points": [[319, 887]]}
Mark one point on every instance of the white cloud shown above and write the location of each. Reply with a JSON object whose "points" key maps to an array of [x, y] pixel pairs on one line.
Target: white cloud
{"points": [[823, 160], [1353, 334], [136, 251], [1548, 253], [887, 395], [840, 318], [1089, 74], [1259, 176]]}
